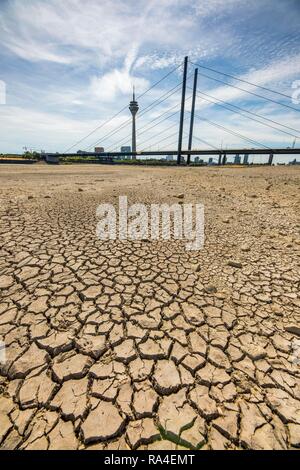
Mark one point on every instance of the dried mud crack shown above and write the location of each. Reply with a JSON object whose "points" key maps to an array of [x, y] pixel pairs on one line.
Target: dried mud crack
{"points": [[144, 345]]}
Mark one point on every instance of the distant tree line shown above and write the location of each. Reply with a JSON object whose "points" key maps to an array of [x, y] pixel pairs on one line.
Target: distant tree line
{"points": [[32, 155]]}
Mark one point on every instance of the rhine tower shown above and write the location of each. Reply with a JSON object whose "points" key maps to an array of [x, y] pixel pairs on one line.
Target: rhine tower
{"points": [[133, 107]]}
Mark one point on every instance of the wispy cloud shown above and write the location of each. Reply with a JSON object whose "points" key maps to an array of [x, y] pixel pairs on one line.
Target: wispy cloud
{"points": [[118, 81]]}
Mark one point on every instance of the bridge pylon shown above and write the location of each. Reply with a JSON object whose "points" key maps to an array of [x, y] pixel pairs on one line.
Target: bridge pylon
{"points": [[185, 65]]}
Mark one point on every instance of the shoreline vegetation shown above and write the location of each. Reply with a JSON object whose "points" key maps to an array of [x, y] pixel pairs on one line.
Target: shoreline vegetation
{"points": [[34, 157]]}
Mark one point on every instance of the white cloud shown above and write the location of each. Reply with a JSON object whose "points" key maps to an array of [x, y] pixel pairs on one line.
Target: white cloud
{"points": [[118, 81], [76, 30]]}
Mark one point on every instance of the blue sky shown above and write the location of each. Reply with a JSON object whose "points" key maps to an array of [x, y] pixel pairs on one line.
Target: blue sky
{"points": [[68, 66]]}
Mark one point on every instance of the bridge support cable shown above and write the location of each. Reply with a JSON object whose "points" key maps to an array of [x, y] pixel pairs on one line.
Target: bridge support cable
{"points": [[149, 128], [297, 131], [111, 133], [234, 133], [249, 92], [172, 144], [207, 143], [159, 133], [216, 102], [129, 120], [168, 117], [122, 109], [122, 141], [152, 105], [242, 80], [162, 132], [95, 130], [162, 140]]}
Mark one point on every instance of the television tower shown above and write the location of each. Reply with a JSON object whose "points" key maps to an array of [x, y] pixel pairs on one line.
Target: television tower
{"points": [[133, 107]]}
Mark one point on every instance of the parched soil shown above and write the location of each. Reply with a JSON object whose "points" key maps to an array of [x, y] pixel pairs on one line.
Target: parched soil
{"points": [[142, 344]]}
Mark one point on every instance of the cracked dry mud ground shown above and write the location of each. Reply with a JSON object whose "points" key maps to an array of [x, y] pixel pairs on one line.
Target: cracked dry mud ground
{"points": [[143, 345]]}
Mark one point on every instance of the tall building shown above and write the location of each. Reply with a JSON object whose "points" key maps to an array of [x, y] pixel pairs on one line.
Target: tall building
{"points": [[237, 159], [99, 149], [125, 149], [294, 162], [133, 108]]}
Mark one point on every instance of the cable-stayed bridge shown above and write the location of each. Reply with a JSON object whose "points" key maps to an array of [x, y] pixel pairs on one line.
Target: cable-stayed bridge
{"points": [[177, 130]]}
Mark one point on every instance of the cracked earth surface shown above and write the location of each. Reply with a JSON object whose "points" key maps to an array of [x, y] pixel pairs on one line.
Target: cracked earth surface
{"points": [[143, 345]]}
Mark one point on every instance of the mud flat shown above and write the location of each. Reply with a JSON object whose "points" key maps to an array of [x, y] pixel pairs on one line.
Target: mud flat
{"points": [[142, 344]]}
